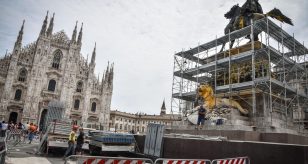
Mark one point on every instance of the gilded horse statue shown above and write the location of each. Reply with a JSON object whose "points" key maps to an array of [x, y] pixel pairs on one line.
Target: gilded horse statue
{"points": [[240, 17]]}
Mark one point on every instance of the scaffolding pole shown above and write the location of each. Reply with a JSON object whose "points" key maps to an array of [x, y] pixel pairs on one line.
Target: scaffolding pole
{"points": [[253, 89]]}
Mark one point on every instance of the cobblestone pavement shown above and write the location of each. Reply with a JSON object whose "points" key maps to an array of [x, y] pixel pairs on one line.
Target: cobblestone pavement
{"points": [[25, 153]]}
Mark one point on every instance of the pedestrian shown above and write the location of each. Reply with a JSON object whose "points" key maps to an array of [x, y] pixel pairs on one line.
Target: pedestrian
{"points": [[19, 126], [71, 142], [80, 141], [4, 128], [1, 129], [201, 116], [11, 125], [11, 128], [32, 130]]}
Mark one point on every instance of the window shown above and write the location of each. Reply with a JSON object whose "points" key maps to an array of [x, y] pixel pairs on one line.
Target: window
{"points": [[120, 126], [76, 104], [17, 95], [93, 107], [79, 86], [22, 76], [52, 85], [57, 59]]}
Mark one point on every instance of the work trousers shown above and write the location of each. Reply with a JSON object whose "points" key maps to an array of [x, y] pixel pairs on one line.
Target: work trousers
{"points": [[70, 149]]}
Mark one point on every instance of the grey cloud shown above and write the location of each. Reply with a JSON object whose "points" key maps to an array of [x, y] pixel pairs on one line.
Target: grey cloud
{"points": [[139, 36]]}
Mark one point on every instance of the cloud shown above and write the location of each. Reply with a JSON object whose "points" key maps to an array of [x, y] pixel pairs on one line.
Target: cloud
{"points": [[139, 36]]}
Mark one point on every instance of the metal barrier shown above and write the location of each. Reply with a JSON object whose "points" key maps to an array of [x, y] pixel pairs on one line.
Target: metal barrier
{"points": [[2, 156], [237, 160], [4, 151], [80, 159], [182, 161], [13, 138]]}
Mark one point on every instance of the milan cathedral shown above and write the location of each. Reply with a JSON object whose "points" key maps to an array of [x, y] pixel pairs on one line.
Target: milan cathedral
{"points": [[53, 68]]}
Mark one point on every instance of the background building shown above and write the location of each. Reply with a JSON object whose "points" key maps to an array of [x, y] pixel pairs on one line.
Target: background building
{"points": [[52, 68], [126, 122]]}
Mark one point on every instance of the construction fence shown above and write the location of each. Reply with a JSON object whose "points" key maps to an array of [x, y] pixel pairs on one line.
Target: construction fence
{"points": [[78, 159]]}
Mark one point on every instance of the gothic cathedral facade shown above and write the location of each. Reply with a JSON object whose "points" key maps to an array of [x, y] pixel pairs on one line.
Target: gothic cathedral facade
{"points": [[53, 69]]}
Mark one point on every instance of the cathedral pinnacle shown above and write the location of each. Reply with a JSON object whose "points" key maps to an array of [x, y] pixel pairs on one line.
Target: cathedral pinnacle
{"points": [[44, 26], [19, 37], [80, 35], [50, 28], [93, 55], [163, 108], [110, 77], [74, 34]]}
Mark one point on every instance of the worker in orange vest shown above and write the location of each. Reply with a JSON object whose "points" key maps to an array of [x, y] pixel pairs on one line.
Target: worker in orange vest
{"points": [[32, 130]]}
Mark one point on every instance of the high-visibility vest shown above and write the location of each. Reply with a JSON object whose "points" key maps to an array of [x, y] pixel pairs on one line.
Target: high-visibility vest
{"points": [[72, 136], [32, 128]]}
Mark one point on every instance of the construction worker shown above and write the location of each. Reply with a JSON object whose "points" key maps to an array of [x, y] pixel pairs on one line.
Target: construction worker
{"points": [[71, 142], [32, 130]]}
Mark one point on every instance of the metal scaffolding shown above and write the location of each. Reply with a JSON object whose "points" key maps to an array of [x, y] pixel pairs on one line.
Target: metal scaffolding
{"points": [[275, 68]]}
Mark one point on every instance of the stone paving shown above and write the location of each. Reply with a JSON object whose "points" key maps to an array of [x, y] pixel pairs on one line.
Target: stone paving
{"points": [[25, 153]]}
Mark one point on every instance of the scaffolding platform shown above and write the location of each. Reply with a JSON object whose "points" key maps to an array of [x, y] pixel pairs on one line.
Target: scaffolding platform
{"points": [[275, 69]]}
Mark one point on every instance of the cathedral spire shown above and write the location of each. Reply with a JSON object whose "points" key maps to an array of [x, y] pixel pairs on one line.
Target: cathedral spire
{"points": [[103, 78], [5, 54], [80, 35], [163, 108], [110, 77], [19, 37], [74, 34], [87, 58], [44, 26], [50, 28], [93, 55]]}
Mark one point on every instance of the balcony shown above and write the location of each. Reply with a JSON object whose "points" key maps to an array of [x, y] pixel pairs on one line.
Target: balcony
{"points": [[50, 94]]}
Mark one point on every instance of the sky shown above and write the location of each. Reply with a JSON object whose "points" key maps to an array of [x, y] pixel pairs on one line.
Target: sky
{"points": [[139, 36]]}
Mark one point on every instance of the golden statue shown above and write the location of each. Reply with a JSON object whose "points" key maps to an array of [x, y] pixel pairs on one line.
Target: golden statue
{"points": [[210, 101]]}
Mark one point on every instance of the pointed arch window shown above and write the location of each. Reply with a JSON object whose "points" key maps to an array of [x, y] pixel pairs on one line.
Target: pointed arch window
{"points": [[93, 107], [52, 85], [79, 86], [18, 95], [76, 104], [57, 59], [22, 76]]}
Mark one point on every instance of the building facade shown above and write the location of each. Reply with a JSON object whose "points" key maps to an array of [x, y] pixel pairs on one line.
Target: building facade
{"points": [[127, 122], [52, 68]]}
